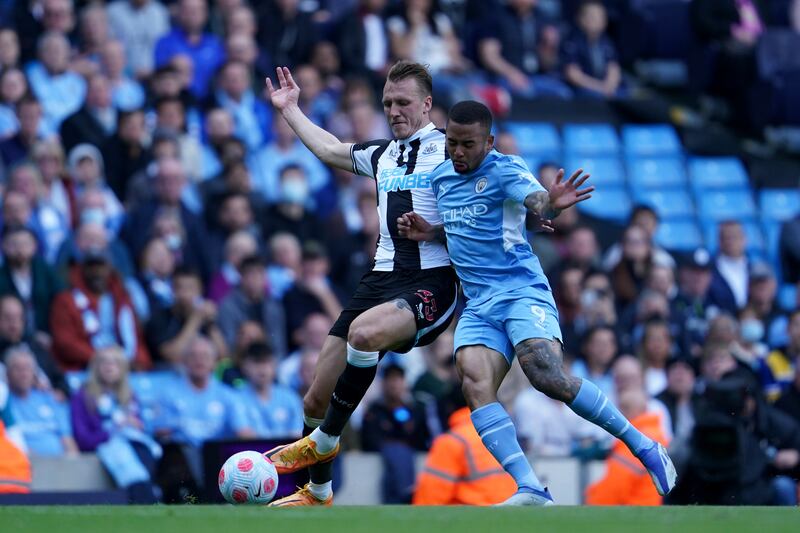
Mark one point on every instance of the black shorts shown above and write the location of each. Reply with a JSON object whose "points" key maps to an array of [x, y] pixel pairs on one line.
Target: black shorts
{"points": [[431, 293]]}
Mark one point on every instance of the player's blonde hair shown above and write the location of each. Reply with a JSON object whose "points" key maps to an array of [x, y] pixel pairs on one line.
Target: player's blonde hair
{"points": [[121, 390], [408, 69]]}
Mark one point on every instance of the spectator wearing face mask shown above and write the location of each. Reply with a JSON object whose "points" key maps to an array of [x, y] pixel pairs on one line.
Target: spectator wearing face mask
{"points": [[291, 214], [285, 149], [749, 347], [99, 203]]}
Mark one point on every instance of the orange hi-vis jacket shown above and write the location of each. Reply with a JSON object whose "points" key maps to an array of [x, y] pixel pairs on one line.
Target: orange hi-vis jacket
{"points": [[626, 481], [15, 469], [459, 470]]}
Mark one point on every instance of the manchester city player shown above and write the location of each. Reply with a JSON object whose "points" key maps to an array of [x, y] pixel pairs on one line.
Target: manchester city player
{"points": [[483, 196]]}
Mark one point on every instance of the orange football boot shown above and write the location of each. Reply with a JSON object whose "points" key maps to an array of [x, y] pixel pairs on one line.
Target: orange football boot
{"points": [[302, 498], [298, 455]]}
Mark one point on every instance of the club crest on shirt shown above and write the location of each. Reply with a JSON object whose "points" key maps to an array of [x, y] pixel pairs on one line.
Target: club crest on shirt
{"points": [[430, 149], [480, 185]]}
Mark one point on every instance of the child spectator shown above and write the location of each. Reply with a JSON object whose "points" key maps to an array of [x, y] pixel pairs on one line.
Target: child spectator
{"points": [[274, 410], [107, 421]]}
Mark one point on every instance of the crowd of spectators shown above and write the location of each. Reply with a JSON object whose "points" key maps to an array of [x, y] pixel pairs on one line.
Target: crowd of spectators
{"points": [[173, 256]]}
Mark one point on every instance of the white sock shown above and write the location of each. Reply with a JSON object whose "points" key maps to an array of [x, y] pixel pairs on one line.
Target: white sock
{"points": [[321, 492], [325, 443]]}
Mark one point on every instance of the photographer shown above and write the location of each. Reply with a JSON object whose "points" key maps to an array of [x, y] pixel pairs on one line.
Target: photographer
{"points": [[743, 450]]}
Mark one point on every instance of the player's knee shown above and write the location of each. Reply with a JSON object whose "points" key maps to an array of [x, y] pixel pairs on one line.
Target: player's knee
{"points": [[365, 336], [541, 361]]}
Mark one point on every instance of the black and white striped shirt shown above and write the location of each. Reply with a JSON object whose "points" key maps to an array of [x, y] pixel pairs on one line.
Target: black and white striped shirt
{"points": [[401, 169]]}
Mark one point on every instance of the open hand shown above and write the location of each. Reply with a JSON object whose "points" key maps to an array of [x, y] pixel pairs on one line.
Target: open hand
{"points": [[564, 194], [288, 94], [414, 227]]}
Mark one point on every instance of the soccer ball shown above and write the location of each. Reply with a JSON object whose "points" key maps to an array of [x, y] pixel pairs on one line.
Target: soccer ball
{"points": [[248, 477]]}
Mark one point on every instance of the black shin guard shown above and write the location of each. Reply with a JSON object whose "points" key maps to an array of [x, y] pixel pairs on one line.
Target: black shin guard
{"points": [[350, 390]]}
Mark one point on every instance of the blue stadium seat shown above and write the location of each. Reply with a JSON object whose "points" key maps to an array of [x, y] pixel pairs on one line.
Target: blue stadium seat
{"points": [[787, 296], [754, 237], [611, 203], [726, 205], [706, 173], [779, 204], [650, 140], [534, 160], [680, 235], [591, 139], [604, 170], [772, 233], [658, 172], [535, 137], [668, 203]]}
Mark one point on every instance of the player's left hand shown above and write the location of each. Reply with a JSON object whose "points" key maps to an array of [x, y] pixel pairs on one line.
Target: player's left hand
{"points": [[564, 194]]}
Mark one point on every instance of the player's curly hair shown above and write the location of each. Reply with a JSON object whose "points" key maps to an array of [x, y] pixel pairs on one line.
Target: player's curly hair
{"points": [[471, 112], [408, 69]]}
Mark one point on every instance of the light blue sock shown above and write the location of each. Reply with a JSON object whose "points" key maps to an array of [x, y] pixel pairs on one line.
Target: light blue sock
{"points": [[591, 404], [500, 438]]}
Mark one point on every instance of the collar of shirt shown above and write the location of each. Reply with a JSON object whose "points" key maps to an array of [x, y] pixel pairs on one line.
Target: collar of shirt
{"points": [[418, 134]]}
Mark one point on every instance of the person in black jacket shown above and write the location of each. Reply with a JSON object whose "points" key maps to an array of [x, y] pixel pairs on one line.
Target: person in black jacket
{"points": [[95, 121], [744, 451]]}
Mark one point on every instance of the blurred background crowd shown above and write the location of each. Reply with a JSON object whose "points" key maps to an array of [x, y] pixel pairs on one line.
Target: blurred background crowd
{"points": [[173, 257]]}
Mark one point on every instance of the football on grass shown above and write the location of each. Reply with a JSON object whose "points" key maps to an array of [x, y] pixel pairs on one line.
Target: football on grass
{"points": [[248, 477]]}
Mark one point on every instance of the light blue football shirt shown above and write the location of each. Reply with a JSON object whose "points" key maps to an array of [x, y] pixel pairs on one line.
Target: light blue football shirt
{"points": [[43, 421], [280, 416], [484, 219], [195, 416]]}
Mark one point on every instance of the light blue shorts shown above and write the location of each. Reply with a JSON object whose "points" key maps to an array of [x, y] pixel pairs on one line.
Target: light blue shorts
{"points": [[504, 321]]}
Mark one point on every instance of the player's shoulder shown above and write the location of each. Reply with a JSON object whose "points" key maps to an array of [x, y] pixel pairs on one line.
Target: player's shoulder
{"points": [[441, 170], [379, 144]]}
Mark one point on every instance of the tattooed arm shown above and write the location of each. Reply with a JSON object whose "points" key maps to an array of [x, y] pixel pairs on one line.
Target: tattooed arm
{"points": [[561, 195]]}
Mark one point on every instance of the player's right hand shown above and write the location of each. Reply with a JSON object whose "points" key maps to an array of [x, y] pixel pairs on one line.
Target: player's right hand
{"points": [[412, 226], [289, 92]]}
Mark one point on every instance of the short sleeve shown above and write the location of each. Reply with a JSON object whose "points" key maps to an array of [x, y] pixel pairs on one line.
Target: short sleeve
{"points": [[518, 182], [365, 157]]}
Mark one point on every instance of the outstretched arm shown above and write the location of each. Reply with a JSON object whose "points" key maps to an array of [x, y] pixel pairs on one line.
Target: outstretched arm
{"points": [[414, 227], [323, 144], [562, 194]]}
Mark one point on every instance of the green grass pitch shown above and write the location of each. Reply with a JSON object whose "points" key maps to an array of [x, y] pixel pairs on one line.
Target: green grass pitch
{"points": [[399, 519]]}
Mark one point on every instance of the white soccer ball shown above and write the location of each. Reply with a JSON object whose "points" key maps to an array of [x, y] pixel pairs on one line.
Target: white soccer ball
{"points": [[248, 477]]}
